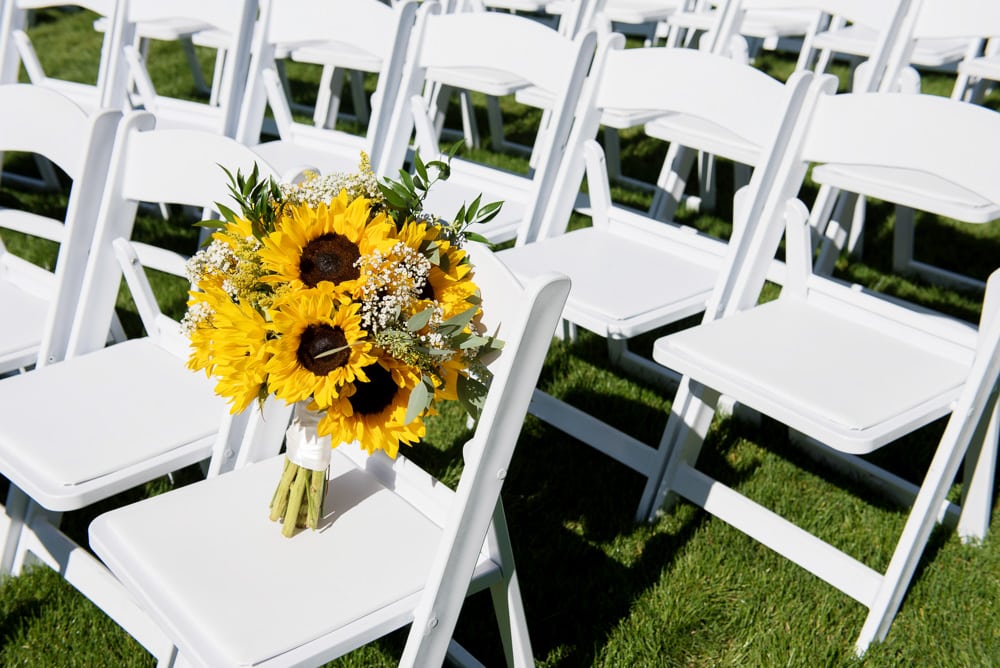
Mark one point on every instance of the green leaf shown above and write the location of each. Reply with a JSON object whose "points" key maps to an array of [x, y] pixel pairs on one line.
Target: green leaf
{"points": [[420, 168], [228, 214], [418, 321], [420, 399], [489, 212]]}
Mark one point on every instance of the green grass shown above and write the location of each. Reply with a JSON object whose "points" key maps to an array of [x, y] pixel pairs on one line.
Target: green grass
{"points": [[599, 589]]}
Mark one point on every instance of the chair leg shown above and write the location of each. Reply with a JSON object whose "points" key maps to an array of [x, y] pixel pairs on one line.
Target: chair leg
{"points": [[835, 231], [671, 182], [507, 602], [917, 531], [469, 126], [16, 510], [359, 98], [706, 180], [977, 487], [690, 418], [902, 240], [195, 66]]}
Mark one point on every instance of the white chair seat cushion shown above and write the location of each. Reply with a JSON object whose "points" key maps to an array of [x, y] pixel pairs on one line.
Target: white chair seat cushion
{"points": [[760, 23], [77, 420], [25, 314], [910, 187], [484, 79], [631, 298], [823, 369], [860, 40], [692, 131], [337, 54], [237, 590], [636, 12]]}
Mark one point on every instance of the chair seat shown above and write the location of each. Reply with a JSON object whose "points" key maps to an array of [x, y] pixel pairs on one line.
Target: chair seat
{"points": [[167, 30], [636, 12], [864, 387], [77, 440], [337, 54], [484, 79], [858, 40], [692, 131], [19, 345], [656, 286], [759, 23], [914, 188], [242, 593]]}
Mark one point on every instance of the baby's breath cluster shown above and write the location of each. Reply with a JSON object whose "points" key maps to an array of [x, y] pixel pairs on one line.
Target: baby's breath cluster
{"points": [[320, 189], [393, 282]]}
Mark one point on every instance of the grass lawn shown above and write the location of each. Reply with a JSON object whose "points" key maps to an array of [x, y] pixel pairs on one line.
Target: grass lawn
{"points": [[599, 589]]}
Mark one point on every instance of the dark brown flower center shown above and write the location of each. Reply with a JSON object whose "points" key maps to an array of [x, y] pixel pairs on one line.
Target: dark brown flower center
{"points": [[319, 339], [329, 257], [376, 395]]}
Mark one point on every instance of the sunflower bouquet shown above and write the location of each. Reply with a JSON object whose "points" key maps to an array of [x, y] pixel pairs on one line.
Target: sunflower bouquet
{"points": [[340, 295]]}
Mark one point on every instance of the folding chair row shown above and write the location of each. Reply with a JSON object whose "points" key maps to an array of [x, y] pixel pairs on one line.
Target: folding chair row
{"points": [[851, 371]]}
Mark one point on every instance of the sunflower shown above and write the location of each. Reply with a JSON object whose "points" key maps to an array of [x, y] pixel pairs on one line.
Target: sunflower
{"points": [[229, 343], [373, 412], [311, 245], [320, 346]]}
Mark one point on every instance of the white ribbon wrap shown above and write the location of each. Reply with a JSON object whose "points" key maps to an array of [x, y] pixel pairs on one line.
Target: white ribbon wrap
{"points": [[302, 445]]}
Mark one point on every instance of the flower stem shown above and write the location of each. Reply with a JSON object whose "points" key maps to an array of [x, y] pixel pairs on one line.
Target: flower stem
{"points": [[317, 490], [279, 502], [295, 497]]}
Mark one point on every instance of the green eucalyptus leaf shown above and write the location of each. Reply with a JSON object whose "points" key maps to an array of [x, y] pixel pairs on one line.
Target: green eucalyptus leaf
{"points": [[420, 399], [419, 320]]}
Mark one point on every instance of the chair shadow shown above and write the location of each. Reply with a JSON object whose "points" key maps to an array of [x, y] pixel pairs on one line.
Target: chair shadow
{"points": [[575, 594]]}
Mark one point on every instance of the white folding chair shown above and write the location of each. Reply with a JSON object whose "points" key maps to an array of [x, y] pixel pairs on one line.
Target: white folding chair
{"points": [[932, 22], [16, 50], [231, 21], [365, 35], [734, 20], [38, 304], [632, 274], [465, 51], [847, 368], [201, 581], [109, 418]]}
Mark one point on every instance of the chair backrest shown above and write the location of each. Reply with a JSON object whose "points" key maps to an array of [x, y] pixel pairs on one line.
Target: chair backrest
{"points": [[672, 81], [178, 166], [44, 122], [353, 28], [234, 19], [924, 134], [525, 317], [447, 46]]}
